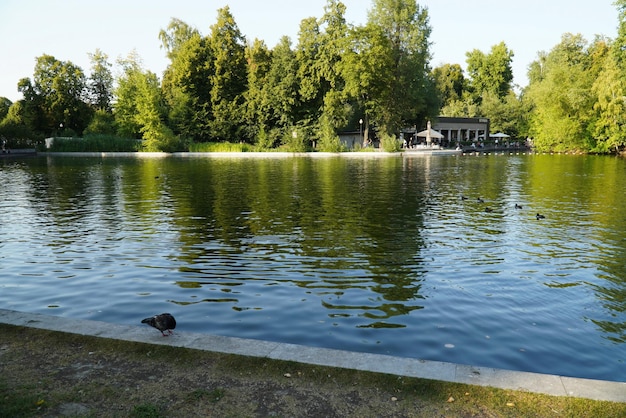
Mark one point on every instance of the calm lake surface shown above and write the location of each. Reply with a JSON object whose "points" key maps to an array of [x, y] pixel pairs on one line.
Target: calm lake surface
{"points": [[363, 253]]}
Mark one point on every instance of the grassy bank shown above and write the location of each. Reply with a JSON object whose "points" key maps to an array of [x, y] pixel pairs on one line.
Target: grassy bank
{"points": [[45, 373]]}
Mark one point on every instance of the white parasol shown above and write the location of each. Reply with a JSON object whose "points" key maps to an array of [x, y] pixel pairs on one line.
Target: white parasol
{"points": [[429, 133]]}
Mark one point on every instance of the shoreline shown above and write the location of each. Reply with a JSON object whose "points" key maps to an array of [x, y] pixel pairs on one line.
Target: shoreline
{"points": [[562, 386], [371, 154]]}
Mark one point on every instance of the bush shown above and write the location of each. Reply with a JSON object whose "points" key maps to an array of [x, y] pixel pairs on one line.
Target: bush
{"points": [[389, 143], [295, 140], [329, 140], [95, 143], [220, 147]]}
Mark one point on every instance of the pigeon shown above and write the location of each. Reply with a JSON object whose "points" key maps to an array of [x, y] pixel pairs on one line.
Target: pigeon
{"points": [[163, 322]]}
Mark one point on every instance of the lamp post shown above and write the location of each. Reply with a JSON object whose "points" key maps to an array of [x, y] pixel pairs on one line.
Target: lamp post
{"points": [[361, 130]]}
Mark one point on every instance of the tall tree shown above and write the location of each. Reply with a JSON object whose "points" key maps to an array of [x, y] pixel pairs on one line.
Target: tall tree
{"points": [[609, 88], [140, 109], [100, 81], [5, 104], [491, 72], [187, 86], [259, 60], [173, 38], [561, 96], [281, 89], [309, 77], [229, 79], [450, 82], [388, 66], [56, 95], [16, 124]]}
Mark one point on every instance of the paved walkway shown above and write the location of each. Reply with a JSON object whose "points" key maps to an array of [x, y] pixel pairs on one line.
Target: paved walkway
{"points": [[435, 370]]}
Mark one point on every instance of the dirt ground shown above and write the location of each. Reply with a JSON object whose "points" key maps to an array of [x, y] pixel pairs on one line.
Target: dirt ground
{"points": [[51, 374]]}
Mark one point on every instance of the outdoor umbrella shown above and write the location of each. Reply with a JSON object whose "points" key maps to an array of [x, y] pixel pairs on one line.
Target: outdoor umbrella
{"points": [[500, 135], [429, 133]]}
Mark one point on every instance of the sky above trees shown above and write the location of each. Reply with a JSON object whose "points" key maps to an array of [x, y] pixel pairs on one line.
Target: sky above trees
{"points": [[72, 29]]}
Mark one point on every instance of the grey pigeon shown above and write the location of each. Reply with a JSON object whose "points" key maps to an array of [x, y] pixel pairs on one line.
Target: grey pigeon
{"points": [[163, 322]]}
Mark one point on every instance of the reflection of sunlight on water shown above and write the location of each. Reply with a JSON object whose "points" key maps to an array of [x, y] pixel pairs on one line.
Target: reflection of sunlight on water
{"points": [[375, 255]]}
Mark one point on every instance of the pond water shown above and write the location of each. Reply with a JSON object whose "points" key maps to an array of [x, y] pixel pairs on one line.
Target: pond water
{"points": [[362, 253]]}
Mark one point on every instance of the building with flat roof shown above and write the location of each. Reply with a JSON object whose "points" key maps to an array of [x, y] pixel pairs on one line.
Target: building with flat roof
{"points": [[462, 130]]}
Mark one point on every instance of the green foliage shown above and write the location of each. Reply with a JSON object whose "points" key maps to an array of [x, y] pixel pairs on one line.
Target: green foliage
{"points": [[103, 122], [140, 107], [609, 128], [186, 83], [328, 139], [174, 39], [389, 143], [505, 114], [54, 96], [562, 98], [449, 82], [490, 73], [259, 59], [229, 78], [146, 410], [295, 139], [160, 138], [386, 68], [100, 81], [264, 140], [220, 147], [5, 105], [16, 125], [95, 143]]}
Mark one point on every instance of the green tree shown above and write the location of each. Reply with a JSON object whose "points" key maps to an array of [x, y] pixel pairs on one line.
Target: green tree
{"points": [[174, 38], [100, 81], [5, 104], [465, 107], [309, 77], [187, 87], [229, 79], [490, 72], [16, 123], [259, 59], [561, 96], [609, 89], [333, 45], [505, 114], [102, 123], [320, 53], [140, 109], [618, 50], [449, 82], [56, 95], [387, 66], [126, 92], [281, 90]]}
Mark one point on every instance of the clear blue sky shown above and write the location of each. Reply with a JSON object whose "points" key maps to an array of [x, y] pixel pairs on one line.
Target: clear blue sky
{"points": [[70, 29]]}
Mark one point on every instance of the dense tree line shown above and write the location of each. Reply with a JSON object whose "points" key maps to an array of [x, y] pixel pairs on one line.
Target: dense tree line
{"points": [[221, 87]]}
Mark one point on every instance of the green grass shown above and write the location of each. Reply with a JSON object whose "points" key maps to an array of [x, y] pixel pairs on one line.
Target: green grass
{"points": [[19, 402], [26, 399], [146, 410]]}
